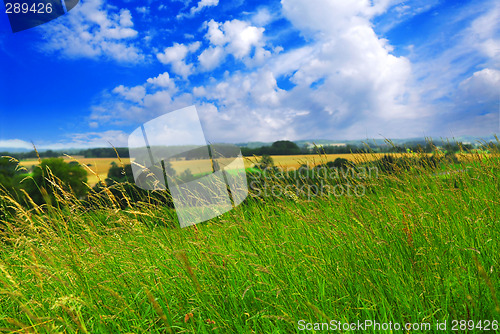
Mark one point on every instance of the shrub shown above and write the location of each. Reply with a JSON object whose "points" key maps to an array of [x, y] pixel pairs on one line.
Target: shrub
{"points": [[53, 176]]}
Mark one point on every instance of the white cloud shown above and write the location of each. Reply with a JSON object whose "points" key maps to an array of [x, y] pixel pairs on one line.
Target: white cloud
{"points": [[250, 108], [116, 138], [135, 105], [482, 87], [214, 34], [475, 109], [15, 143], [202, 4], [402, 11], [238, 38], [198, 8], [325, 17], [143, 10], [93, 30], [134, 94], [176, 55], [211, 57], [163, 80], [484, 33], [241, 37], [263, 17]]}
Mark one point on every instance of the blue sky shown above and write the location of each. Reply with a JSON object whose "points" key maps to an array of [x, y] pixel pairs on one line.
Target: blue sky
{"points": [[255, 70]]}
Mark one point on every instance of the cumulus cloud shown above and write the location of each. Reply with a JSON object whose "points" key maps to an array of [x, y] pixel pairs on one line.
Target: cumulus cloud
{"points": [[211, 57], [163, 80], [475, 108], [135, 105], [134, 94], [176, 57], [249, 106], [345, 80], [263, 17], [93, 30], [482, 87], [237, 38]]}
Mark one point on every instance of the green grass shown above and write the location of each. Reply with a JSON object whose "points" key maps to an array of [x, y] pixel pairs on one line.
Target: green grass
{"points": [[416, 248]]}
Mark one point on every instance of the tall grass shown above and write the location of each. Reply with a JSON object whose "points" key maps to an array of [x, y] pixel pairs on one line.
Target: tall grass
{"points": [[419, 246]]}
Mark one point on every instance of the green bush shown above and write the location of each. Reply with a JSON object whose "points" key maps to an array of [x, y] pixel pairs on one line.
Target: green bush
{"points": [[54, 178]]}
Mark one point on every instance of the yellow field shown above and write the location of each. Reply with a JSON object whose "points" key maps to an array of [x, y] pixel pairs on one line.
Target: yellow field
{"points": [[295, 161], [100, 166]]}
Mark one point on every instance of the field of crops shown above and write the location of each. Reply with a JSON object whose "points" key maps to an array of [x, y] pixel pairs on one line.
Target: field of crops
{"points": [[99, 167]]}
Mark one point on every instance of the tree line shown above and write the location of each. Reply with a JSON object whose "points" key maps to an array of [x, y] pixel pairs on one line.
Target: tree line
{"points": [[280, 147], [285, 147]]}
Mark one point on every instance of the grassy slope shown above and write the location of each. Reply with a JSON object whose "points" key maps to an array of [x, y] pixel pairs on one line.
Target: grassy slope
{"points": [[414, 249]]}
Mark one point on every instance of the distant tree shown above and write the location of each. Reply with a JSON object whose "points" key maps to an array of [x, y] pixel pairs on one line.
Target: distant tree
{"points": [[266, 161], [8, 184], [71, 177], [452, 147], [118, 174], [397, 149], [467, 147], [284, 147], [247, 152], [9, 177], [451, 157], [105, 152], [49, 154], [121, 183], [186, 176], [339, 163]]}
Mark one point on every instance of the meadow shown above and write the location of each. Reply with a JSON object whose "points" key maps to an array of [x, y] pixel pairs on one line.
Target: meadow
{"points": [[417, 247]]}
